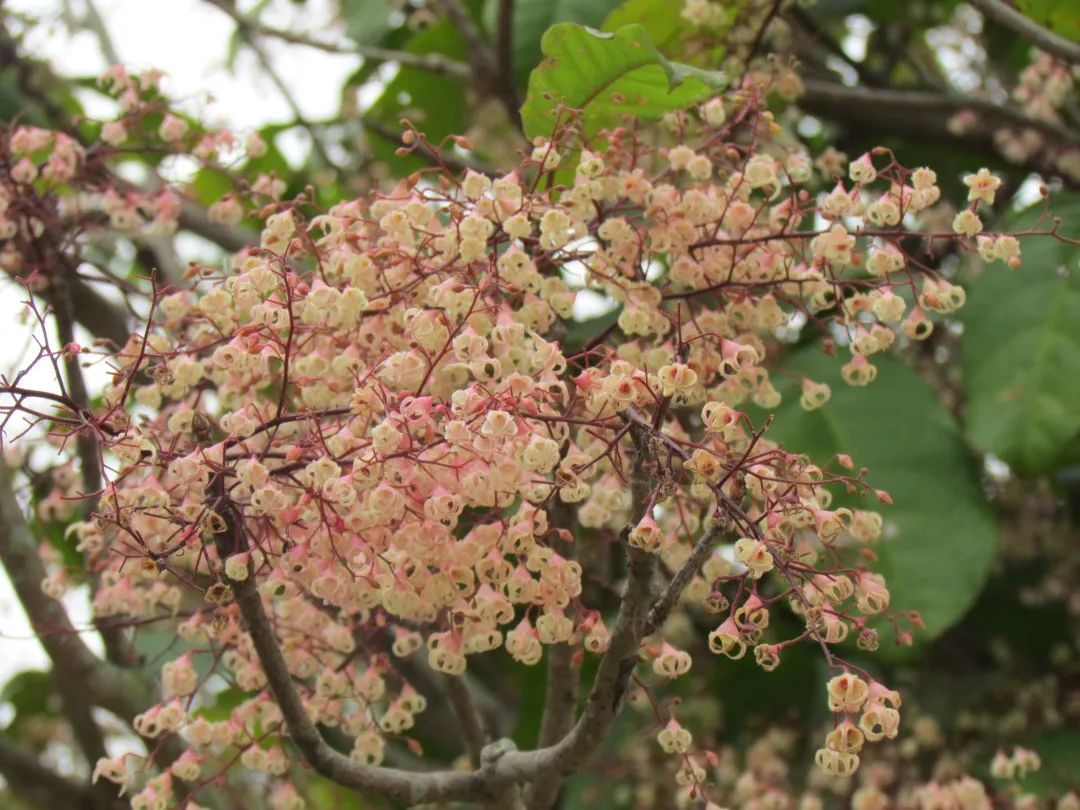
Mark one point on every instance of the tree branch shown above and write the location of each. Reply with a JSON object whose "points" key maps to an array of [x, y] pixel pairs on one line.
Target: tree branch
{"points": [[504, 59], [120, 691], [502, 766], [663, 606], [926, 115], [430, 62], [563, 681], [250, 36], [402, 786], [917, 110], [560, 705], [83, 725], [485, 63], [25, 774], [195, 219], [1030, 30], [809, 27], [93, 20], [124, 692]]}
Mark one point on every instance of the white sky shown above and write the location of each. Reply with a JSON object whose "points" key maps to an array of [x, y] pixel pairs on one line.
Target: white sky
{"points": [[189, 40]]}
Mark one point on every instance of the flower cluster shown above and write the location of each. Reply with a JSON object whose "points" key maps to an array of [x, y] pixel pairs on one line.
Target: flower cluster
{"points": [[377, 417]]}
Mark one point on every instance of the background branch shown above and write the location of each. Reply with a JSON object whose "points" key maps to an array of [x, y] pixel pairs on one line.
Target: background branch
{"points": [[124, 692], [471, 730], [430, 62], [1030, 30], [402, 786], [46, 788], [485, 63]]}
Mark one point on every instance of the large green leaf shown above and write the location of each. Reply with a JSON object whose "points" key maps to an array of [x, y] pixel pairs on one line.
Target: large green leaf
{"points": [[939, 538], [609, 76], [435, 104], [1060, 753], [1060, 16], [1022, 349], [662, 20], [533, 17]]}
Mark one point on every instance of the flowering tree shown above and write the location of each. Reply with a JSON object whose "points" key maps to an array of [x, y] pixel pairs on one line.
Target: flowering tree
{"points": [[537, 398]]}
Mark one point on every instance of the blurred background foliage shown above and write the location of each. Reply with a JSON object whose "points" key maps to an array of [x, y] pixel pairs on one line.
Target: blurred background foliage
{"points": [[975, 431]]}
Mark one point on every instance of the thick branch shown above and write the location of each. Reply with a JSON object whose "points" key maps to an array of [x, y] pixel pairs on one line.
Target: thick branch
{"points": [[1030, 30], [402, 786], [32, 780], [502, 766], [97, 315], [124, 692], [560, 705], [908, 112], [195, 219], [83, 725], [93, 21], [504, 58], [563, 680], [64, 307], [120, 691]]}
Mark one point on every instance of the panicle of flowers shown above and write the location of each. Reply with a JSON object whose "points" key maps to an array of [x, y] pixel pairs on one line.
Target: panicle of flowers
{"points": [[373, 415]]}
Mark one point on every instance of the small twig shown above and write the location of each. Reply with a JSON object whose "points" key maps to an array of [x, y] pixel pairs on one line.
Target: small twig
{"points": [[485, 64], [472, 733], [249, 32], [760, 36], [454, 163], [663, 606], [430, 62]]}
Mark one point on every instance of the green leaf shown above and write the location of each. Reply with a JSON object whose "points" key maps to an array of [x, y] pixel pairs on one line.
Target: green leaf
{"points": [[435, 104], [580, 333], [939, 538], [608, 76], [1059, 751], [533, 17], [30, 693], [322, 793], [1060, 16], [366, 21], [224, 702], [1022, 349], [662, 20], [209, 185]]}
